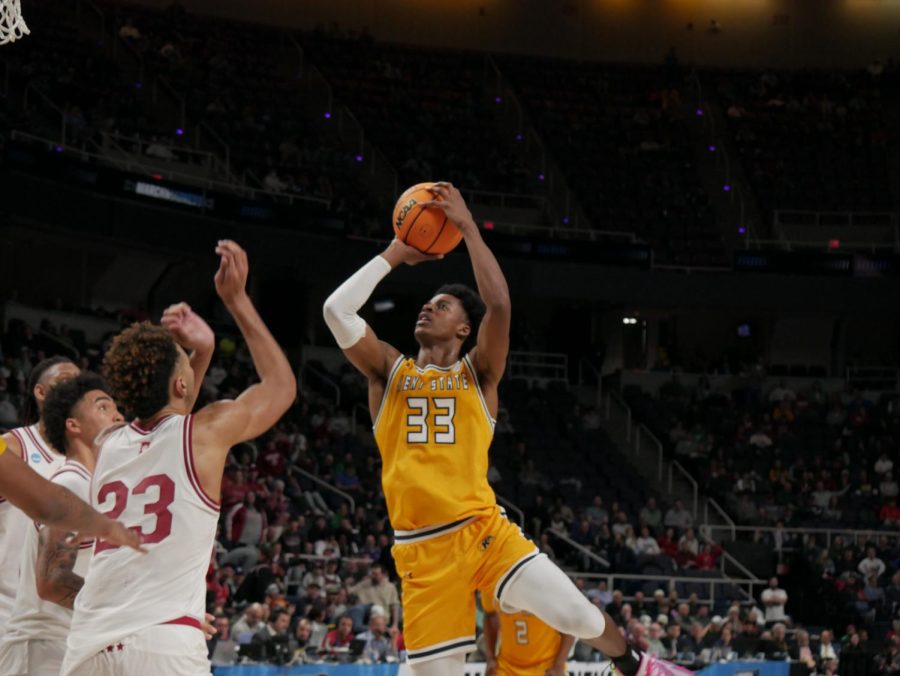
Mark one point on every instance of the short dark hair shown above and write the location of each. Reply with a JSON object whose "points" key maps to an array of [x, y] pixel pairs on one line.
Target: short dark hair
{"points": [[31, 413], [138, 366], [473, 306], [60, 403]]}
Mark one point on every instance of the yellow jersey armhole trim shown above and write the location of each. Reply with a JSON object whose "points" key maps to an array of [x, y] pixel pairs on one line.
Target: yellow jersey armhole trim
{"points": [[387, 389], [487, 411], [2, 445]]}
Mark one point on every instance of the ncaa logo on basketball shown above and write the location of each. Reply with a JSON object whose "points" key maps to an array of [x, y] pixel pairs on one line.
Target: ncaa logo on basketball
{"points": [[35, 457], [405, 210]]}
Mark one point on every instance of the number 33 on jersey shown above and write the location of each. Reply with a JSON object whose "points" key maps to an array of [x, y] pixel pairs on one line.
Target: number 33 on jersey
{"points": [[434, 430]]}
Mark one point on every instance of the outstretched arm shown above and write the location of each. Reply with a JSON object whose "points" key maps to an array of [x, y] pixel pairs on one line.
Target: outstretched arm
{"points": [[221, 425], [195, 336], [492, 348], [51, 504], [372, 357], [54, 574]]}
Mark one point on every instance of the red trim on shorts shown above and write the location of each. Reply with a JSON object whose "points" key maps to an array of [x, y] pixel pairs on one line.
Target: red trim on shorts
{"points": [[193, 478], [186, 621], [140, 430], [40, 446]]}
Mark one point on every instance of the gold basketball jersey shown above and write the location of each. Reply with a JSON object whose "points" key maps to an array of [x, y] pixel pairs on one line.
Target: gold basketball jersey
{"points": [[433, 431], [527, 645]]}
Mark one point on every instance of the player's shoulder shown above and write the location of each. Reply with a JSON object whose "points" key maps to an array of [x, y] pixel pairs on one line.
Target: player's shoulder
{"points": [[73, 476]]}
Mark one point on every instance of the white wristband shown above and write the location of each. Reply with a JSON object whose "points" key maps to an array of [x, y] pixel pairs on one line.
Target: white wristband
{"points": [[342, 306]]}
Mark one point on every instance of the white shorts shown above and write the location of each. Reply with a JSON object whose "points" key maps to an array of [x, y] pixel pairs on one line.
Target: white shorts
{"points": [[32, 658], [172, 650]]}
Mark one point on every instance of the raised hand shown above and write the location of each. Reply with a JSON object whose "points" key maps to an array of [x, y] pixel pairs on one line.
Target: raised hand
{"points": [[399, 252], [449, 199], [188, 328], [231, 278]]}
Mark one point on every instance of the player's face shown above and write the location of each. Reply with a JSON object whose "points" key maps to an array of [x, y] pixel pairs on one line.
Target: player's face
{"points": [[442, 319], [54, 375], [94, 413]]}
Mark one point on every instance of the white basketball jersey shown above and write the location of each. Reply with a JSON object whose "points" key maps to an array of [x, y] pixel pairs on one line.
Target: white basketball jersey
{"points": [[13, 522], [145, 479], [32, 618]]}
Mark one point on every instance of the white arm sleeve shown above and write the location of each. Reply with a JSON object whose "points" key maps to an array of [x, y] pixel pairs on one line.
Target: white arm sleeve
{"points": [[341, 308]]}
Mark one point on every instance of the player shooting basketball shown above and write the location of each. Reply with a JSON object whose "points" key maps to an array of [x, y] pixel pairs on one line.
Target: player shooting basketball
{"points": [[434, 421]]}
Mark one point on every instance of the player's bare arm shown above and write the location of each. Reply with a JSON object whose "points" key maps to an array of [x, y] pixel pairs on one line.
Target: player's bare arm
{"points": [[371, 356], [492, 347], [195, 336], [559, 664], [491, 634], [54, 571], [53, 505], [221, 425]]}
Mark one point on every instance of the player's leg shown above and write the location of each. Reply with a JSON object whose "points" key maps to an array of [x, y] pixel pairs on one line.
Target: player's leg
{"points": [[541, 588], [451, 665]]}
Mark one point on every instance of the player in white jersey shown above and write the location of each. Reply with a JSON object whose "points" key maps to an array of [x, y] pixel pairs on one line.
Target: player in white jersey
{"points": [[30, 444], [162, 475], [52, 567]]}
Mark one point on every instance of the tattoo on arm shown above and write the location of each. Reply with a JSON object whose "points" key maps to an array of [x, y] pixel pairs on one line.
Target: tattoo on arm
{"points": [[56, 580]]}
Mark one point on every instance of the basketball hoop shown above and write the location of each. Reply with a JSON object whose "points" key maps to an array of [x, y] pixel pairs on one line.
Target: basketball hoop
{"points": [[12, 24]]}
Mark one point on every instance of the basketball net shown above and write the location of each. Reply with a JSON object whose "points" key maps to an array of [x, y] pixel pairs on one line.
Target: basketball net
{"points": [[12, 24]]}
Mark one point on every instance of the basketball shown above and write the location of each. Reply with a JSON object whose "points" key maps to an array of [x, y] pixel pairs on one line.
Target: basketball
{"points": [[426, 229]]}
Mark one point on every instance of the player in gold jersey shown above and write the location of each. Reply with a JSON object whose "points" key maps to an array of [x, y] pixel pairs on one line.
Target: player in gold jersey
{"points": [[527, 645], [434, 420]]}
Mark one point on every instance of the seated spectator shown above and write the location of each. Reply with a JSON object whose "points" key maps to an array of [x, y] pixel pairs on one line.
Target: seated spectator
{"points": [[222, 648], [747, 642], [338, 639], [654, 640], [668, 543], [273, 638], [871, 565], [379, 642], [678, 517], [378, 589], [688, 548], [776, 647], [646, 545], [675, 642], [251, 622], [651, 515], [302, 640], [827, 652], [890, 513], [723, 647]]}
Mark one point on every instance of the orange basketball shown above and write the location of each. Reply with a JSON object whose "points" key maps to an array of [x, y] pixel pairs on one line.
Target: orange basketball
{"points": [[426, 229]]}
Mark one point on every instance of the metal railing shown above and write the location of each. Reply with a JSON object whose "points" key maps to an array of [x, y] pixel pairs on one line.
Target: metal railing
{"points": [[579, 547], [511, 506], [623, 408], [722, 513], [31, 92], [327, 486], [677, 466], [809, 535], [751, 582], [874, 377], [834, 218], [542, 367], [138, 166], [755, 244], [562, 203], [640, 434]]}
